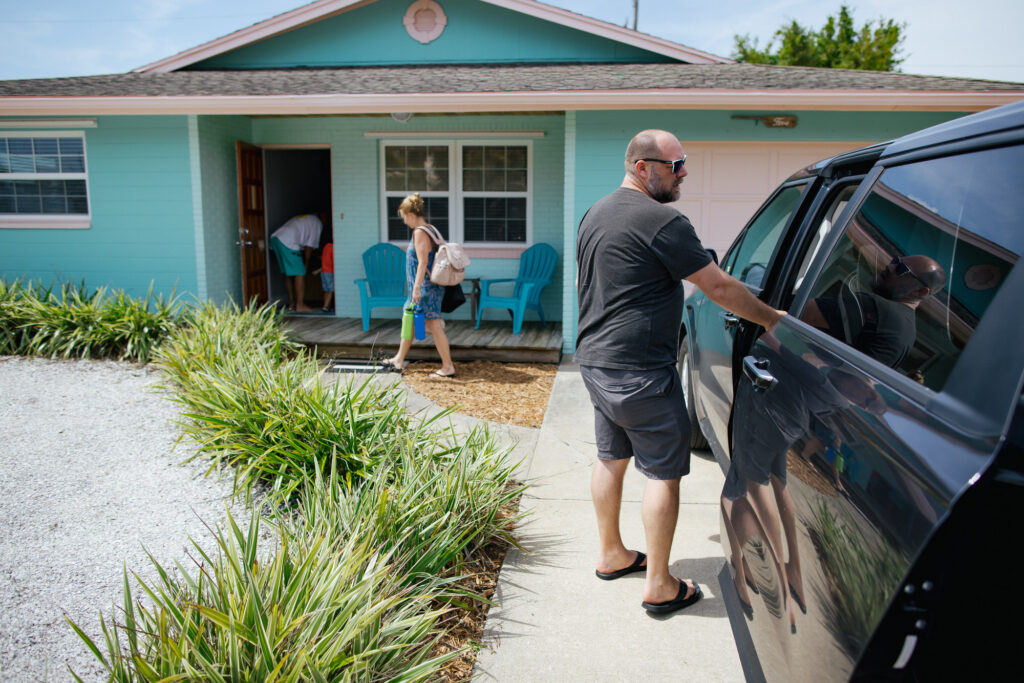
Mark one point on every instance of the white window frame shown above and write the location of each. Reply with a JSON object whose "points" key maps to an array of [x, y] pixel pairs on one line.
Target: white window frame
{"points": [[58, 221], [455, 193]]}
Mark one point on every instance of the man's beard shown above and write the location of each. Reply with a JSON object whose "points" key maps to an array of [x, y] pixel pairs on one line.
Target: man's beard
{"points": [[663, 195]]}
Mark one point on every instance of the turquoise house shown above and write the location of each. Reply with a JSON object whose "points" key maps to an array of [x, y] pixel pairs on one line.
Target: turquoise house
{"points": [[509, 116]]}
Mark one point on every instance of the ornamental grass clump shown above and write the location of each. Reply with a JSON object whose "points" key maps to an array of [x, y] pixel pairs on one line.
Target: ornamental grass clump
{"points": [[436, 509], [210, 335], [13, 319], [274, 422], [70, 322], [311, 609]]}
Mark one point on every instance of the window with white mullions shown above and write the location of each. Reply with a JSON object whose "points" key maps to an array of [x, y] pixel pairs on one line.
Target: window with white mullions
{"points": [[43, 181], [474, 193]]}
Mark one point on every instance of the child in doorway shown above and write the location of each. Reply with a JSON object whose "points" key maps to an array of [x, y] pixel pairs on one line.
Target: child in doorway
{"points": [[326, 271]]}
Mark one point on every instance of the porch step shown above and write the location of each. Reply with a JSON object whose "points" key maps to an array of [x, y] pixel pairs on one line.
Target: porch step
{"points": [[344, 338]]}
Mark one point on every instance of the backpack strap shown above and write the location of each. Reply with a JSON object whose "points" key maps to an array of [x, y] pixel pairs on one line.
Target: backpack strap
{"points": [[434, 233]]}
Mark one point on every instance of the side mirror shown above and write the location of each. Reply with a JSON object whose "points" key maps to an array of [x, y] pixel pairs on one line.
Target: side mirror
{"points": [[714, 255]]}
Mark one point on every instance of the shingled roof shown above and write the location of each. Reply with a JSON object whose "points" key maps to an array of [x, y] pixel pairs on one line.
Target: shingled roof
{"points": [[488, 78], [493, 87]]}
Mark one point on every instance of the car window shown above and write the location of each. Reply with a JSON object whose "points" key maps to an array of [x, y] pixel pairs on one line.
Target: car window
{"points": [[749, 259], [919, 263], [824, 226]]}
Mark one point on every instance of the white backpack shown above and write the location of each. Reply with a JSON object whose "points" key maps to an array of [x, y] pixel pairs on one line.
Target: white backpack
{"points": [[450, 261]]}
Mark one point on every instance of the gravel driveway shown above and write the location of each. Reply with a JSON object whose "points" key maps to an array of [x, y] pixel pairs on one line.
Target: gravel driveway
{"points": [[89, 474]]}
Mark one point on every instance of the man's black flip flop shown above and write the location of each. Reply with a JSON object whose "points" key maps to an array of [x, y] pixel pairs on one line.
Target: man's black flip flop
{"points": [[637, 566], [679, 602]]}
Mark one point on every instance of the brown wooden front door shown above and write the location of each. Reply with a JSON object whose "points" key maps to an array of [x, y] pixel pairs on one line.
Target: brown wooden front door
{"points": [[252, 231]]}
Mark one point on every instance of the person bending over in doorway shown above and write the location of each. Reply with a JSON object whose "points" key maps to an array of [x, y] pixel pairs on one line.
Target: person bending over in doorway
{"points": [[293, 244]]}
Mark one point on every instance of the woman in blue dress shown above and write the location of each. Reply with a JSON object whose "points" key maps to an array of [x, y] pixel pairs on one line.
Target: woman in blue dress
{"points": [[419, 260]]}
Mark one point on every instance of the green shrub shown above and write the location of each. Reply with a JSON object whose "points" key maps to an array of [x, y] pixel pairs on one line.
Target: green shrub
{"points": [[311, 610], [13, 318], [210, 335], [71, 322], [434, 508]]}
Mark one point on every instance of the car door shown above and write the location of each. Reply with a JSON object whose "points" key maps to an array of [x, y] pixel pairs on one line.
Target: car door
{"points": [[714, 329], [854, 432]]}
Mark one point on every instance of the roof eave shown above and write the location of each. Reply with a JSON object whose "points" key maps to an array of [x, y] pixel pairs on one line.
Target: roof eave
{"points": [[482, 102]]}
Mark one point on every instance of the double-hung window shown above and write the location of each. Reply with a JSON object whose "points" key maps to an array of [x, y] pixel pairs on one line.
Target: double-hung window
{"points": [[43, 181], [475, 192]]}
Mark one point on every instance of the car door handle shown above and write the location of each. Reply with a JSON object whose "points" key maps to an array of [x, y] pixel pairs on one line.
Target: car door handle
{"points": [[756, 371], [730, 320]]}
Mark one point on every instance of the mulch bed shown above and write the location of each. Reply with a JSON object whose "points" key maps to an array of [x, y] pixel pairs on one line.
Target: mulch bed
{"points": [[509, 393]]}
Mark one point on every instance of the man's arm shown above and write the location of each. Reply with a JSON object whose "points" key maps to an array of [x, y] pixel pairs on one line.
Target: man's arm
{"points": [[733, 296]]}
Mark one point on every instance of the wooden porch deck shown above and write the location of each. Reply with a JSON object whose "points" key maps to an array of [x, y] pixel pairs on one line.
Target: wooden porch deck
{"points": [[344, 338]]}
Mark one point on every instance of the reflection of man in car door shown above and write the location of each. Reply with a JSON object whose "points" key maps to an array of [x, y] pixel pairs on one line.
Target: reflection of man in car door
{"points": [[809, 391], [880, 323]]}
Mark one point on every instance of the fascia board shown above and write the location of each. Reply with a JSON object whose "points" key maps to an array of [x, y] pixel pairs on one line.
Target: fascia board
{"points": [[839, 100]]}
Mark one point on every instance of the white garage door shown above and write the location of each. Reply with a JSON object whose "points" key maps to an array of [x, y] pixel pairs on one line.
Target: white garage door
{"points": [[728, 181]]}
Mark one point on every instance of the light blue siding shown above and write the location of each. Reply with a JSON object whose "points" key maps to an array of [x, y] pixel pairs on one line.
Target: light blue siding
{"points": [[142, 223], [221, 260], [476, 33]]}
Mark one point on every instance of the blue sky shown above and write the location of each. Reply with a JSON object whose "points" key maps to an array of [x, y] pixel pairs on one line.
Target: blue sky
{"points": [[50, 38]]}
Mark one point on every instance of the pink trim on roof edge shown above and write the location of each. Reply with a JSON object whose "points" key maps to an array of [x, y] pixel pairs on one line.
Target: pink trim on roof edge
{"points": [[323, 9], [738, 100]]}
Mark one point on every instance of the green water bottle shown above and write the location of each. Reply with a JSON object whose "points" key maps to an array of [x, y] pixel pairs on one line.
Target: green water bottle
{"points": [[407, 323]]}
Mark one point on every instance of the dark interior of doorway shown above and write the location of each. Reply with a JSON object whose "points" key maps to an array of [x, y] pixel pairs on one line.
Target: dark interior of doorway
{"points": [[297, 181]]}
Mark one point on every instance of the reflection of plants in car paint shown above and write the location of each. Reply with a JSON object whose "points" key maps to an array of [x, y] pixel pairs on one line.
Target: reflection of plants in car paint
{"points": [[860, 578]]}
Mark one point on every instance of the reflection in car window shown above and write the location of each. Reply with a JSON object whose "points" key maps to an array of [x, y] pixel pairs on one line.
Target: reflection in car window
{"points": [[749, 262], [920, 262]]}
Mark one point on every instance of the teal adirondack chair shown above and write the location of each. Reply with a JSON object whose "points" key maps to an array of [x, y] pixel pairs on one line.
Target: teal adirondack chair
{"points": [[384, 284], [535, 268]]}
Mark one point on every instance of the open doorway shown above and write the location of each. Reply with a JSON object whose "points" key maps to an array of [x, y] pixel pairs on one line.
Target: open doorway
{"points": [[297, 181]]}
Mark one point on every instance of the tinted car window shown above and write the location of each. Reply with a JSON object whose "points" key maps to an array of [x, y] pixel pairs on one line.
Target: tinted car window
{"points": [[749, 260], [919, 264]]}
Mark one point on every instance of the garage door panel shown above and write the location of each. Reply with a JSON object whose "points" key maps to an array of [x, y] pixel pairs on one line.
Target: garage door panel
{"points": [[735, 169], [728, 181], [725, 220], [696, 172]]}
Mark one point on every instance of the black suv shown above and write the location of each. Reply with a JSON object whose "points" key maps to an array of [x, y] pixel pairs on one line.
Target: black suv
{"points": [[872, 442]]}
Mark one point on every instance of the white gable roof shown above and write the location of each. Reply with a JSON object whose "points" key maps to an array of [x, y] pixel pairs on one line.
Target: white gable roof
{"points": [[322, 9]]}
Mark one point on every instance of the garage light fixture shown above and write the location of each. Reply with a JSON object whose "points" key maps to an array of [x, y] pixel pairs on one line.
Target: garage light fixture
{"points": [[772, 121]]}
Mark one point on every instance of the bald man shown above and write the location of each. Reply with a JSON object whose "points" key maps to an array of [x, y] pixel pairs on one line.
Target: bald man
{"points": [[633, 253]]}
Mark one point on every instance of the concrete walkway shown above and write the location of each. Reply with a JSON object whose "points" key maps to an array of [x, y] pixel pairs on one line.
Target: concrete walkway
{"points": [[555, 621]]}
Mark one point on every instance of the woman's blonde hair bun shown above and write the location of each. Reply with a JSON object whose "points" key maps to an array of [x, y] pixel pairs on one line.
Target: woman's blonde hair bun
{"points": [[412, 204]]}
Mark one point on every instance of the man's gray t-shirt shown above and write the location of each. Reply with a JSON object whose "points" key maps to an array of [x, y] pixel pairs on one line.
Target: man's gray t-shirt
{"points": [[633, 253]]}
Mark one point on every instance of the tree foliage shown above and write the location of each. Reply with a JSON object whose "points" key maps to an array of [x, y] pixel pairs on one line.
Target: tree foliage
{"points": [[836, 45]]}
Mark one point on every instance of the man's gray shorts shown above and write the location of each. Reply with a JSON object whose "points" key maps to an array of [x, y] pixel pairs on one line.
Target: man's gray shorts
{"points": [[641, 414]]}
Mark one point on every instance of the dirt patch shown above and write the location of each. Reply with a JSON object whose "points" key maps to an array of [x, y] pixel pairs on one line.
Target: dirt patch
{"points": [[509, 393]]}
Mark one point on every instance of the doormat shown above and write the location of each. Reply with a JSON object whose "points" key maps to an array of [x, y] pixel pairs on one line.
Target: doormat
{"points": [[345, 365]]}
